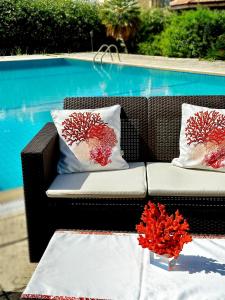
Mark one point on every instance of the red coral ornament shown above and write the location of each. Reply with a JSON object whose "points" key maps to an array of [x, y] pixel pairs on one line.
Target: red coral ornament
{"points": [[205, 127], [161, 233]]}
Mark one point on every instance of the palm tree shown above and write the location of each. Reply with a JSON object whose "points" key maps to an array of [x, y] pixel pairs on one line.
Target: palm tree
{"points": [[121, 18]]}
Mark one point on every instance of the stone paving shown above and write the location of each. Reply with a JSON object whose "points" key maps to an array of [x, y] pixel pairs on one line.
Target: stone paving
{"points": [[166, 63], [15, 268]]}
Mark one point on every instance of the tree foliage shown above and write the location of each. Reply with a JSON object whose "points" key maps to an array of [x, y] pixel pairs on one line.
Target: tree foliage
{"points": [[121, 18], [52, 26], [153, 21], [192, 33], [195, 33], [49, 26]]}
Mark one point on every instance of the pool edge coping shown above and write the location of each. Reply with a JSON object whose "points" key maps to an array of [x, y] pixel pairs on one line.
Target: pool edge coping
{"points": [[11, 195], [84, 57], [177, 69]]}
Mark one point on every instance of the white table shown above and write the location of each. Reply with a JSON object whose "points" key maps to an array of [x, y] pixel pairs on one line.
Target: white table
{"points": [[100, 265]]}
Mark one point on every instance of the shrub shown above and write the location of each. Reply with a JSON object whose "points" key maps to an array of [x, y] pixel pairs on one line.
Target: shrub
{"points": [[8, 19], [192, 33], [49, 26], [218, 50], [151, 47], [153, 22]]}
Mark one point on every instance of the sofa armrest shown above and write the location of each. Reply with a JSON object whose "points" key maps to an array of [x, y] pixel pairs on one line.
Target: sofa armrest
{"points": [[39, 159], [39, 165]]}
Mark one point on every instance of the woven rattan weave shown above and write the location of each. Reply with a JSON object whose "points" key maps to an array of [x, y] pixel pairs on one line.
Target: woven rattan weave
{"points": [[150, 132]]}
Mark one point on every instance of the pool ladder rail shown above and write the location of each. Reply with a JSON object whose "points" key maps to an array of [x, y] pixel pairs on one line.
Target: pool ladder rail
{"points": [[107, 50]]}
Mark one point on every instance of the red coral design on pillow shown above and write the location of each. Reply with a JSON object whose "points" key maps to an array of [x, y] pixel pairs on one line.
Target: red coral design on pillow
{"points": [[205, 127], [89, 127], [101, 155], [208, 128], [104, 134], [216, 159], [77, 126]]}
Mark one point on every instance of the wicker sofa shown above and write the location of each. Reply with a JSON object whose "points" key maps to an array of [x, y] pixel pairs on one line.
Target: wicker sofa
{"points": [[150, 133]]}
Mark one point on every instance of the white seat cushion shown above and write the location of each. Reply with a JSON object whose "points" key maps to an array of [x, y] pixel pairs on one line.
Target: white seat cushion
{"points": [[129, 183], [164, 179]]}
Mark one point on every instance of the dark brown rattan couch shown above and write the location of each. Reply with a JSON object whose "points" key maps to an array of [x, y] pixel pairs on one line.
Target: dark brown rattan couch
{"points": [[150, 132]]}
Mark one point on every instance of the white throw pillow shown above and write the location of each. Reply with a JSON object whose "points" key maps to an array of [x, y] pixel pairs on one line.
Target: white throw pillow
{"points": [[89, 139], [202, 138]]}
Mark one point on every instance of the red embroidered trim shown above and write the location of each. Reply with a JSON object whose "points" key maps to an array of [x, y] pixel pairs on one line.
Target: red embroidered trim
{"points": [[85, 231], [194, 235], [93, 232], [208, 236], [38, 296], [96, 232]]}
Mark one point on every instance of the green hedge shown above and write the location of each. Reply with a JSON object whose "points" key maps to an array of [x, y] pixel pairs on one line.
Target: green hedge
{"points": [[195, 33], [153, 22], [218, 49], [49, 26]]}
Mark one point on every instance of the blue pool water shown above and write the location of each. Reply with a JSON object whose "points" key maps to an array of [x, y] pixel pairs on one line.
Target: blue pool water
{"points": [[30, 89]]}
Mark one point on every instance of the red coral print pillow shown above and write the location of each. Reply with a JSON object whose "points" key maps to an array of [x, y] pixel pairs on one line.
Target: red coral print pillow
{"points": [[88, 129], [93, 136], [202, 138]]}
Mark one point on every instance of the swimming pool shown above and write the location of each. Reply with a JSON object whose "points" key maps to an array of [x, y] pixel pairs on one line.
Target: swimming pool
{"points": [[30, 89]]}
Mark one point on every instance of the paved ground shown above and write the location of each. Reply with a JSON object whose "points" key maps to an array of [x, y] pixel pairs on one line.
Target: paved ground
{"points": [[15, 269], [158, 62]]}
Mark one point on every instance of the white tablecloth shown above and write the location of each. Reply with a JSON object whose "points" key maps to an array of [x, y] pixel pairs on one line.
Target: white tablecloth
{"points": [[81, 265]]}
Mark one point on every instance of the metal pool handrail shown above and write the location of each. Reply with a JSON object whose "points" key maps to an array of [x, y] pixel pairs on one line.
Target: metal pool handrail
{"points": [[108, 49], [102, 46]]}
